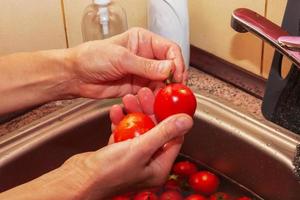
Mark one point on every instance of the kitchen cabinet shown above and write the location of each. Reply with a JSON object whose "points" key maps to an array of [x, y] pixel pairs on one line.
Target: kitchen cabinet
{"points": [[136, 14], [275, 13], [211, 31], [31, 25]]}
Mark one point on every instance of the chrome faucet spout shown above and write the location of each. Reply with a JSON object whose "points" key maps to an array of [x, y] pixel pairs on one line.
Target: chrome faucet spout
{"points": [[244, 20]]}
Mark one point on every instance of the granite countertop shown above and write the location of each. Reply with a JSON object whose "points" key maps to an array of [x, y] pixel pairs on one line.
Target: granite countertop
{"points": [[198, 81]]}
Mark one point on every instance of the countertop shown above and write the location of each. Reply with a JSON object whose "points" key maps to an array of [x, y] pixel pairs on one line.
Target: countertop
{"points": [[198, 81]]}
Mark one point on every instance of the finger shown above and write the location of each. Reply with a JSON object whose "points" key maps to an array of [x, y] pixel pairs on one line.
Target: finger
{"points": [[156, 70], [111, 139], [146, 99], [162, 49], [173, 127], [152, 46], [131, 103], [116, 114], [185, 77], [166, 157], [156, 85], [174, 53]]}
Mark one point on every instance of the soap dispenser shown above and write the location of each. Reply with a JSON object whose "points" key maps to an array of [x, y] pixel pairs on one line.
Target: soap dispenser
{"points": [[103, 19], [170, 19]]}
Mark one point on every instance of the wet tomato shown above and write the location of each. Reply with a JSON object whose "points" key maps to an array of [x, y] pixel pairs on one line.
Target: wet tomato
{"points": [[145, 195], [171, 195], [195, 197], [173, 99], [184, 168], [204, 182], [220, 196], [244, 198], [132, 125], [172, 184]]}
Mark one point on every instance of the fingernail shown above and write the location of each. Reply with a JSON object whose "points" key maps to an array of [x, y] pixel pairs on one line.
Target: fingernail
{"points": [[183, 123]]}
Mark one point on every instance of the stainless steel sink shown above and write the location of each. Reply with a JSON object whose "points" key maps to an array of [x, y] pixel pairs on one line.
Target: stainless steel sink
{"points": [[256, 154]]}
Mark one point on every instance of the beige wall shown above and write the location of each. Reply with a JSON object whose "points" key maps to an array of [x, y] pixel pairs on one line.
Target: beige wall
{"points": [[45, 24], [30, 25], [211, 31]]}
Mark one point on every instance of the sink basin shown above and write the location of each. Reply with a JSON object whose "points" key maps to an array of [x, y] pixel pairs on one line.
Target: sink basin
{"points": [[258, 155]]}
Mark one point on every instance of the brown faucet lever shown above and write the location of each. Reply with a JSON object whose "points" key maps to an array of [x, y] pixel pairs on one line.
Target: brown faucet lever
{"points": [[290, 42], [245, 20]]}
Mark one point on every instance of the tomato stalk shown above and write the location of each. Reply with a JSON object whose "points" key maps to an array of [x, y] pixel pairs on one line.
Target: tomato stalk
{"points": [[169, 80]]}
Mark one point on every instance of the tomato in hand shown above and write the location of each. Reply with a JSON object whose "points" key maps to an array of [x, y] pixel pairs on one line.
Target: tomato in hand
{"points": [[132, 125], [244, 198], [184, 168], [220, 196], [204, 182], [173, 99], [195, 197], [171, 195], [145, 195]]}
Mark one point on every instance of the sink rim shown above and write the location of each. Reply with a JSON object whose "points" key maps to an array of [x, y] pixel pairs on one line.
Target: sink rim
{"points": [[210, 110], [67, 117]]}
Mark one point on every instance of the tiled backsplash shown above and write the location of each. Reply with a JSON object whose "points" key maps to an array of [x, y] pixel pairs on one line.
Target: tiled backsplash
{"points": [[33, 25]]}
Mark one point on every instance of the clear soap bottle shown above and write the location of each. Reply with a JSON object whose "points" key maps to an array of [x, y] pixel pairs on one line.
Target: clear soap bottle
{"points": [[103, 19]]}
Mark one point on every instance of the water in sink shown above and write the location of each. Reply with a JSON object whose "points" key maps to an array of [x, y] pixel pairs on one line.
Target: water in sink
{"points": [[227, 186]]}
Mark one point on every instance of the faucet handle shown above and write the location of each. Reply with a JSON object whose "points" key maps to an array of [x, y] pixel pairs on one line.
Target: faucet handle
{"points": [[290, 42], [245, 20]]}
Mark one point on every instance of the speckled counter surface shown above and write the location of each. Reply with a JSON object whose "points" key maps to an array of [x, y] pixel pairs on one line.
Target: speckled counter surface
{"points": [[202, 82], [198, 81]]}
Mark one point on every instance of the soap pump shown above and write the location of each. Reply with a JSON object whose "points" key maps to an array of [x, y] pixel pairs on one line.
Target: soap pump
{"points": [[103, 19]]}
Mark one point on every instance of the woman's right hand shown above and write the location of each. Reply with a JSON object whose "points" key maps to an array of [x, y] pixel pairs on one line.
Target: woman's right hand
{"points": [[131, 165]]}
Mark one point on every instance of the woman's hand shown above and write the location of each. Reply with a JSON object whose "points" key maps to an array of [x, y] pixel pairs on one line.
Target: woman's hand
{"points": [[142, 162], [142, 102], [97, 69], [131, 165], [125, 63]]}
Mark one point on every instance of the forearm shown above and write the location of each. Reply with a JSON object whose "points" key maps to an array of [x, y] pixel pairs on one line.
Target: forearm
{"points": [[74, 180], [28, 79], [56, 184]]}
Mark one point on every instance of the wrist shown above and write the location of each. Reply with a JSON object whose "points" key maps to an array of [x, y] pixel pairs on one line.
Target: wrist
{"points": [[61, 84]]}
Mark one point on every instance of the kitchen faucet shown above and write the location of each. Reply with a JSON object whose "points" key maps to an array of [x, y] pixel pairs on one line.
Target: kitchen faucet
{"points": [[281, 102]]}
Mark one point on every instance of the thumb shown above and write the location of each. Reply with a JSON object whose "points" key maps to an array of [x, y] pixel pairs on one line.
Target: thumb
{"points": [[148, 68], [173, 127]]}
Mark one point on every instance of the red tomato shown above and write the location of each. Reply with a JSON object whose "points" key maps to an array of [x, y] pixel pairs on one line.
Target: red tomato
{"points": [[195, 197], [172, 184], [121, 197], [171, 195], [132, 125], [145, 195], [204, 182], [173, 99], [184, 168], [244, 198], [220, 196]]}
